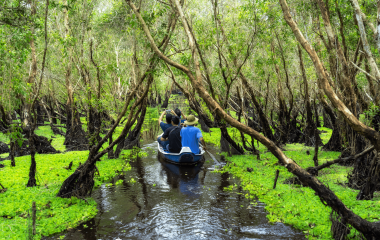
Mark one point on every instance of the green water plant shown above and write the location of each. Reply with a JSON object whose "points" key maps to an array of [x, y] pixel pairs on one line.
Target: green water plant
{"points": [[53, 214], [294, 204]]}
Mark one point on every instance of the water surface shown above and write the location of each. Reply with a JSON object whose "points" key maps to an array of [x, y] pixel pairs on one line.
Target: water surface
{"points": [[172, 202]]}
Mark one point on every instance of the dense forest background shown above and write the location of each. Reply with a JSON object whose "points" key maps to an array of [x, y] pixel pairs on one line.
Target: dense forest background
{"points": [[274, 70]]}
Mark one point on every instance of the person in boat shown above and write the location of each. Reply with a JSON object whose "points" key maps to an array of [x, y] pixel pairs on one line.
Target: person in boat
{"points": [[191, 136], [168, 124], [180, 114], [172, 137], [164, 126]]}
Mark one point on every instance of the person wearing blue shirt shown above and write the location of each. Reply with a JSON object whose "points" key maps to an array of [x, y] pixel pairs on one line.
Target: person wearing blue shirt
{"points": [[180, 114], [164, 126], [191, 135], [172, 135]]}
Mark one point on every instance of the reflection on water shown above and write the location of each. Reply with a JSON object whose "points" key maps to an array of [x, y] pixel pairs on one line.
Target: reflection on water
{"points": [[184, 178], [176, 202]]}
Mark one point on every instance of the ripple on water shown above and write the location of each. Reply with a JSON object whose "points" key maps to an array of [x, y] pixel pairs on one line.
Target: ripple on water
{"points": [[171, 202]]}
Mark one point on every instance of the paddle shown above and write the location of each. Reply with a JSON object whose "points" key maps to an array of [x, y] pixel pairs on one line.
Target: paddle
{"points": [[217, 163], [213, 158]]}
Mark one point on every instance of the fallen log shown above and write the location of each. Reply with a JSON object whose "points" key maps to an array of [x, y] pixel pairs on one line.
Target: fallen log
{"points": [[314, 170]]}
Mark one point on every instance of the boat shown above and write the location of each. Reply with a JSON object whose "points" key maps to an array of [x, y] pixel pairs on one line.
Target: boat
{"points": [[185, 157], [183, 177]]}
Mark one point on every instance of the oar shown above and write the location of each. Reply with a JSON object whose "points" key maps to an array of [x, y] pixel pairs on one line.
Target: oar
{"points": [[217, 163], [212, 157]]}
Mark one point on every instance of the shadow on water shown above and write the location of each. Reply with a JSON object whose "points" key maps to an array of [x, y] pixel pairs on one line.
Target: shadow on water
{"points": [[177, 202]]}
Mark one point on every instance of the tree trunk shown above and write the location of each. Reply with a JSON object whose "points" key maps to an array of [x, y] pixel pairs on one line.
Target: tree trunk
{"points": [[267, 130], [75, 139], [367, 228], [372, 182], [326, 120], [111, 154], [12, 153], [228, 144], [310, 124], [133, 139], [32, 170]]}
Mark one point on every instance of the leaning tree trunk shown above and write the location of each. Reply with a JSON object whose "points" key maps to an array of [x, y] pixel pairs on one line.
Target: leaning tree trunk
{"points": [[195, 106], [204, 126], [133, 139], [111, 154], [370, 230], [250, 149], [267, 130], [81, 182]]}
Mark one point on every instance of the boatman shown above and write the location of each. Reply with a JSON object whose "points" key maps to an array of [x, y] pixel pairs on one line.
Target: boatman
{"points": [[191, 135], [173, 137]]}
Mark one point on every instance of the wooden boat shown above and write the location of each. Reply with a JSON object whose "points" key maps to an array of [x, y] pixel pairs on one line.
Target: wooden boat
{"points": [[185, 157]]}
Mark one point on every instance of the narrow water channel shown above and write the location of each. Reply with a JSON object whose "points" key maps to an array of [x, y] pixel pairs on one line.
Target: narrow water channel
{"points": [[172, 202]]}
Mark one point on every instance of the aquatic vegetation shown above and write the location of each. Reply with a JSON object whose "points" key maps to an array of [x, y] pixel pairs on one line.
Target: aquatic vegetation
{"points": [[294, 204], [54, 214]]}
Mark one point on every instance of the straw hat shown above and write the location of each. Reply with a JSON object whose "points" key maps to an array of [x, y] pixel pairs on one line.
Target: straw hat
{"points": [[191, 120]]}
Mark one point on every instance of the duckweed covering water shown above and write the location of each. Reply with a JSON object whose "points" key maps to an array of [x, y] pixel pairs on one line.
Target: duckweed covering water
{"points": [[54, 214], [290, 204], [294, 204]]}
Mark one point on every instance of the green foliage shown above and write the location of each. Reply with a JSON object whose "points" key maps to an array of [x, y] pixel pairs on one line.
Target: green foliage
{"points": [[294, 204], [53, 214], [16, 135]]}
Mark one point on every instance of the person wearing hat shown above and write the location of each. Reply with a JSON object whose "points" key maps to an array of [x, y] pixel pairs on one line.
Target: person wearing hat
{"points": [[191, 135]]}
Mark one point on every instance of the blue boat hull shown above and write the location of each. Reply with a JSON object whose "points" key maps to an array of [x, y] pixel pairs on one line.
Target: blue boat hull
{"points": [[184, 158]]}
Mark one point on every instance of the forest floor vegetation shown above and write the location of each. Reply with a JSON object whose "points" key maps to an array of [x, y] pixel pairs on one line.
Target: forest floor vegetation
{"points": [[53, 214], [294, 204], [291, 204]]}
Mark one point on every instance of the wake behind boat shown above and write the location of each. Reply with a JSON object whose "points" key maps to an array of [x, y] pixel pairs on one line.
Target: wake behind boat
{"points": [[185, 157]]}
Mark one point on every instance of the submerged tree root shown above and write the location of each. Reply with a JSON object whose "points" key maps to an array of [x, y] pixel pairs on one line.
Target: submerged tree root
{"points": [[339, 228], [80, 183]]}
